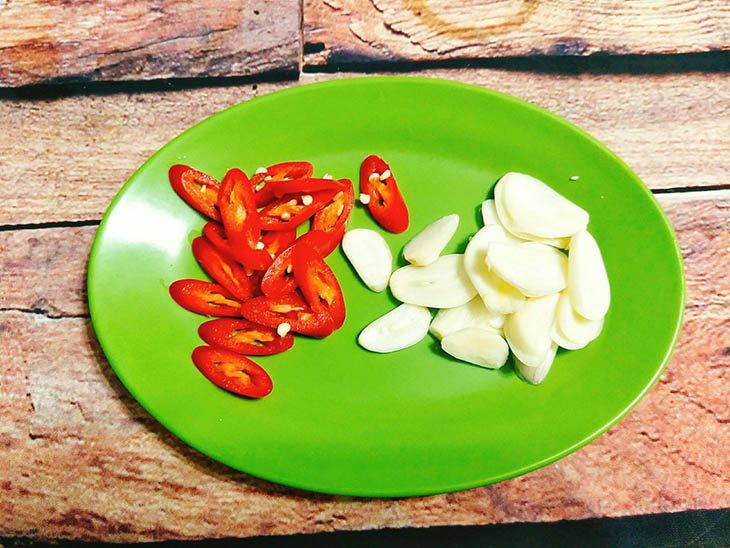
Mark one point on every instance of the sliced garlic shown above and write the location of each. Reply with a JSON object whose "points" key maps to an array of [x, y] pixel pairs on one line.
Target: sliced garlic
{"points": [[527, 206], [400, 328], [496, 294], [535, 375], [478, 346], [490, 217], [426, 246], [535, 269], [590, 293], [560, 243], [562, 341], [370, 256], [471, 314], [528, 330], [442, 284], [489, 213], [570, 330]]}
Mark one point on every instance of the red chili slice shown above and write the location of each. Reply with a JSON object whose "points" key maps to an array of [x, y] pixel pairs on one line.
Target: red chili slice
{"points": [[264, 192], [279, 278], [216, 235], [244, 337], [232, 372], [290, 211], [255, 277], [204, 298], [291, 309], [198, 189], [241, 220], [332, 218], [276, 242], [386, 202], [222, 269], [304, 186], [318, 283]]}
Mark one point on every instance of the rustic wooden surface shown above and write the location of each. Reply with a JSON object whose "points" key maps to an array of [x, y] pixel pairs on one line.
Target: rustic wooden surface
{"points": [[365, 31], [672, 129], [43, 40], [79, 458], [83, 460]]}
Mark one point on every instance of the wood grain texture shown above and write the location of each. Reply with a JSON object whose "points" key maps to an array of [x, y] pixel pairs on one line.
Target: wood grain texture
{"points": [[76, 152], [362, 31], [42, 40], [81, 459]]}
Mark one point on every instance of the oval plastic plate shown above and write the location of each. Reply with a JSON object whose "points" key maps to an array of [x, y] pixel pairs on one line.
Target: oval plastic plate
{"points": [[343, 420]]}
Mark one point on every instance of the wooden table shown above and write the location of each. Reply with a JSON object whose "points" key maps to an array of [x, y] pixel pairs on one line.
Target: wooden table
{"points": [[112, 81]]}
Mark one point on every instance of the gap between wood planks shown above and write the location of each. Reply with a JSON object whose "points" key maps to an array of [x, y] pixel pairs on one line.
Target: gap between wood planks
{"points": [[709, 62]]}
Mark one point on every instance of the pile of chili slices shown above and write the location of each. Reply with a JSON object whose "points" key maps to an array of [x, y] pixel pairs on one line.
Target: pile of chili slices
{"points": [[269, 283]]}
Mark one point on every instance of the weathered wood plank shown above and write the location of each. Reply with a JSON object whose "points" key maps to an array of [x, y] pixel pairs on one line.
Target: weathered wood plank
{"points": [[44, 270], [361, 31], [81, 459], [42, 40], [69, 162]]}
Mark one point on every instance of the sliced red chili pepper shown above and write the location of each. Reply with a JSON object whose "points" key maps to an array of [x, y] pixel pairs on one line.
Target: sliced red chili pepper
{"points": [[276, 242], [255, 277], [332, 218], [304, 186], [232, 372], [264, 192], [241, 220], [318, 283], [386, 202], [279, 278], [290, 211], [222, 269], [198, 189], [244, 337], [291, 309], [204, 298], [216, 235]]}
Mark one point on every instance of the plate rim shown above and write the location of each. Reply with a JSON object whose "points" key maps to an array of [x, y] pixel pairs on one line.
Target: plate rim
{"points": [[374, 80]]}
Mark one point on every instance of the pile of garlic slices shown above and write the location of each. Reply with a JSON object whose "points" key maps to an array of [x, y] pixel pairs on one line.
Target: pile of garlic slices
{"points": [[513, 288]]}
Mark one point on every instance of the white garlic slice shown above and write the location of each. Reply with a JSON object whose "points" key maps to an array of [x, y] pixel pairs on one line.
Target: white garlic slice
{"points": [[400, 328], [442, 284], [370, 256], [481, 347], [588, 287], [533, 268], [496, 294], [528, 331], [489, 213], [535, 375], [426, 246], [571, 330], [471, 314], [528, 206]]}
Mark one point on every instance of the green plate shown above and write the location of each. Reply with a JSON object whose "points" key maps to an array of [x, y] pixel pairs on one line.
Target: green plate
{"points": [[340, 419]]}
